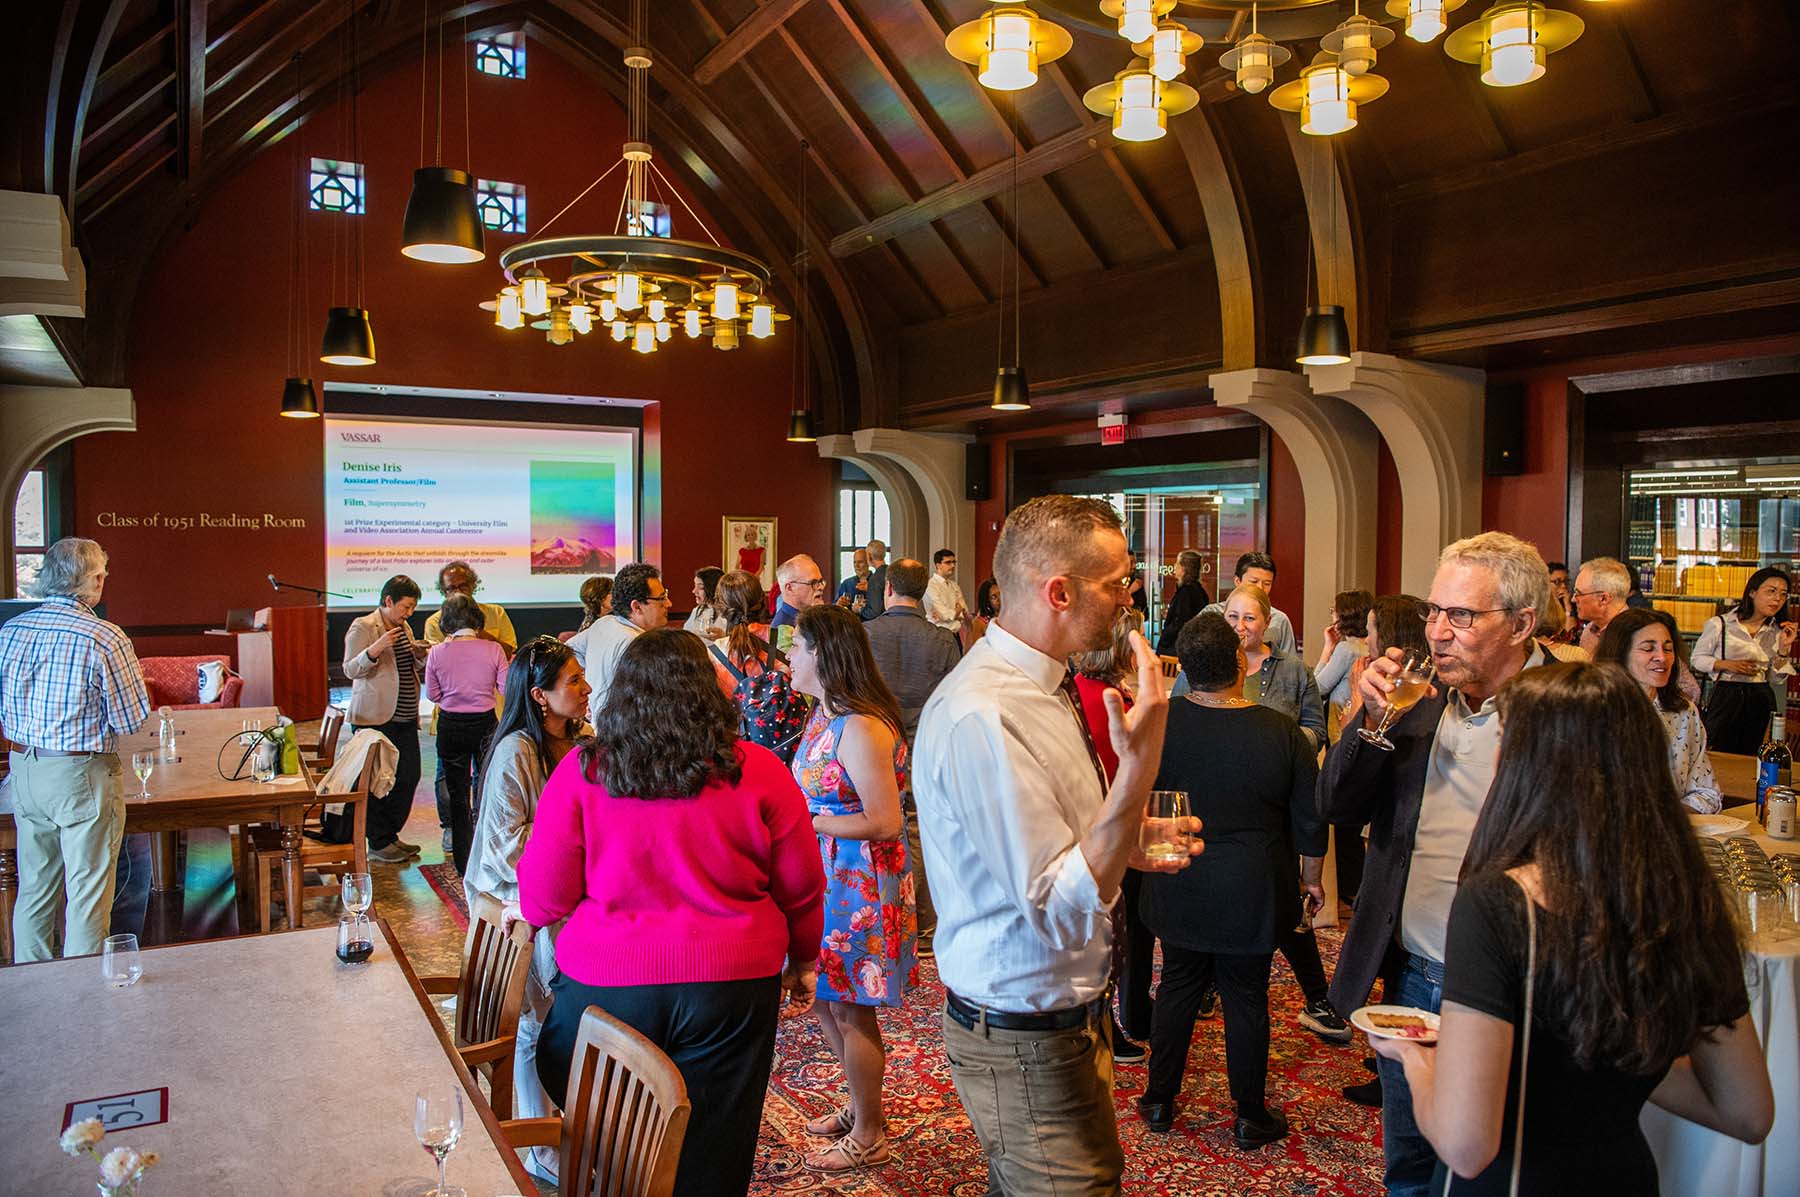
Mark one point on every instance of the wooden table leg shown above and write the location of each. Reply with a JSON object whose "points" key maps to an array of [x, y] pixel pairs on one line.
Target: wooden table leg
{"points": [[290, 854], [165, 855], [9, 892]]}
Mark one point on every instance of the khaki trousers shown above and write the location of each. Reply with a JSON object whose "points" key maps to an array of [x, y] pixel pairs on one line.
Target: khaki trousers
{"points": [[1041, 1103], [70, 816]]}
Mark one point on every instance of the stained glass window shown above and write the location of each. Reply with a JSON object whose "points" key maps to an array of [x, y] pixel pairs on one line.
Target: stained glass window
{"points": [[503, 57], [335, 186], [502, 205]]}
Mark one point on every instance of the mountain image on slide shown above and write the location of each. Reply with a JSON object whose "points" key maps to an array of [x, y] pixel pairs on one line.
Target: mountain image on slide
{"points": [[570, 555]]}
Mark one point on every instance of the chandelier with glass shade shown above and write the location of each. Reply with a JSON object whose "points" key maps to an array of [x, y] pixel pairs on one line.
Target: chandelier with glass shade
{"points": [[640, 286]]}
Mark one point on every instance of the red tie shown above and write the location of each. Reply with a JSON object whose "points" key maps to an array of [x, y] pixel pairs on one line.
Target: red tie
{"points": [[1087, 735]]}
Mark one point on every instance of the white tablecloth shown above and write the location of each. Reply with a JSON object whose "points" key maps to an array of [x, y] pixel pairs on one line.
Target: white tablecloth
{"points": [[1696, 1162]]}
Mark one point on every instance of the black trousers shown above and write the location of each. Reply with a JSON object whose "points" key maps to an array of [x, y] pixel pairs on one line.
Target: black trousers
{"points": [[1737, 716], [1243, 985], [720, 1034], [462, 745], [388, 815], [1347, 841], [1301, 950], [1134, 956]]}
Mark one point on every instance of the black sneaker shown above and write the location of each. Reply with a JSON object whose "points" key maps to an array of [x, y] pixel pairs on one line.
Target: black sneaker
{"points": [[1124, 1049], [1325, 1022], [1366, 1094], [1209, 1001], [1251, 1133]]}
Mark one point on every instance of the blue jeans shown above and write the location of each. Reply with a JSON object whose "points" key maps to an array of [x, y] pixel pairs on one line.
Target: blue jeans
{"points": [[1409, 1158]]}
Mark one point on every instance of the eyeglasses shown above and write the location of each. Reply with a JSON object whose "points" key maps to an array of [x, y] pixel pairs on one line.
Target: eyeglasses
{"points": [[1122, 585], [1459, 617], [811, 582], [1575, 594]]}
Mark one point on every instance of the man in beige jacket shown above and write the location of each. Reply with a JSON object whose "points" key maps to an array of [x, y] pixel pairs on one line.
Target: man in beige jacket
{"points": [[384, 664]]}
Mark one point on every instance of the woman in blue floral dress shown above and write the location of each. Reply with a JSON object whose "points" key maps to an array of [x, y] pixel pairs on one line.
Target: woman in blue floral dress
{"points": [[852, 766]]}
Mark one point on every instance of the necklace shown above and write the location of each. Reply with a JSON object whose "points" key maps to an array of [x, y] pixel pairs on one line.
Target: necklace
{"points": [[1202, 700]]}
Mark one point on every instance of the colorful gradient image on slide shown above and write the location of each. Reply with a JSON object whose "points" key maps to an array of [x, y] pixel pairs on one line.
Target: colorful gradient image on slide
{"points": [[572, 527]]}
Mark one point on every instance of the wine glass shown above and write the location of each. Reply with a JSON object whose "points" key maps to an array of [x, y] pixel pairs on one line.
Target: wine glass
{"points": [[1163, 836], [1410, 685], [143, 764], [357, 891], [438, 1124]]}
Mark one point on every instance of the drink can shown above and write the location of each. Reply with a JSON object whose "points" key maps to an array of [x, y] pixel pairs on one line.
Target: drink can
{"points": [[1781, 802]]}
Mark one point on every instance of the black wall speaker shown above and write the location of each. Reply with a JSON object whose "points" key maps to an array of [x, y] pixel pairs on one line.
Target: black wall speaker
{"points": [[975, 474], [1505, 435]]}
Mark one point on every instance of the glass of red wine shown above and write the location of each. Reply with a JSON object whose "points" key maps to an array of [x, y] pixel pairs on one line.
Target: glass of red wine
{"points": [[355, 943]]}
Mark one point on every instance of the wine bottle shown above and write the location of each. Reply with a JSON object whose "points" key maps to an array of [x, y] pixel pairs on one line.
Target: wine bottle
{"points": [[1774, 764]]}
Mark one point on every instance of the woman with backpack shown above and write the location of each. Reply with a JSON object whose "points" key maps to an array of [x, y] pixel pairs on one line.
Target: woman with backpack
{"points": [[754, 673], [852, 767]]}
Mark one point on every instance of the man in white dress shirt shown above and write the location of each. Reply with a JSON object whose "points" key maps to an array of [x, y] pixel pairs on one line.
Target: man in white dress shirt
{"points": [[944, 602], [640, 604], [1031, 845]]}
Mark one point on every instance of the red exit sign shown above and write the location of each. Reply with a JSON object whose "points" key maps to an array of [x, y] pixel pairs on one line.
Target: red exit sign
{"points": [[1114, 434]]}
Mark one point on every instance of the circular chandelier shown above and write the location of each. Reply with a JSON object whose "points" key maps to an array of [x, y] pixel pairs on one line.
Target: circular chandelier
{"points": [[635, 282]]}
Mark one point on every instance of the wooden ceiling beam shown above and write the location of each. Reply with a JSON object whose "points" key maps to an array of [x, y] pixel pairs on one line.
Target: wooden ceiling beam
{"points": [[155, 138], [1229, 231], [190, 85], [1044, 158], [106, 24], [125, 111], [740, 41], [296, 36], [1482, 121], [142, 57], [1153, 220]]}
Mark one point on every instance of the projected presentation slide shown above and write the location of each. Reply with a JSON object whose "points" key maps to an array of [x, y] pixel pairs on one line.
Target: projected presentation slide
{"points": [[535, 509]]}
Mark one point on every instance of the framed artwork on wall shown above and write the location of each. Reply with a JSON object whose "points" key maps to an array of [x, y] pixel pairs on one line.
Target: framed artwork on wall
{"points": [[750, 546]]}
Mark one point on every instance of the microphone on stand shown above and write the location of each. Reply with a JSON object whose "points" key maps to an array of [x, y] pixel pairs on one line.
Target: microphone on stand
{"points": [[312, 590], [273, 582]]}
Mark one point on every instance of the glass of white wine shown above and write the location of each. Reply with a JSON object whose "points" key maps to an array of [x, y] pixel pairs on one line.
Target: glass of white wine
{"points": [[144, 764], [1163, 835], [438, 1125], [1410, 685]]}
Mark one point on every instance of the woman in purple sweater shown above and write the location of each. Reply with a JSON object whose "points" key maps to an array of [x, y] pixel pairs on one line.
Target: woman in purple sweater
{"points": [[686, 865], [464, 676]]}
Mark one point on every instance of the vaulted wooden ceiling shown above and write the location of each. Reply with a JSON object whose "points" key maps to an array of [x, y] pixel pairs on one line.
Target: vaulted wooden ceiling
{"points": [[1143, 265]]}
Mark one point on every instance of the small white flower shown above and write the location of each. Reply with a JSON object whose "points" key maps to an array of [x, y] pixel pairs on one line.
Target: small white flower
{"points": [[151, 1159], [81, 1136], [120, 1167]]}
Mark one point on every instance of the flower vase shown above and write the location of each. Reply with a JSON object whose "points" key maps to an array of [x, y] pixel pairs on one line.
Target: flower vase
{"points": [[128, 1189]]}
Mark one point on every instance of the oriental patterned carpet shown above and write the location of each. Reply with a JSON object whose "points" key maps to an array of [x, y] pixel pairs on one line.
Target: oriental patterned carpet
{"points": [[1333, 1147]]}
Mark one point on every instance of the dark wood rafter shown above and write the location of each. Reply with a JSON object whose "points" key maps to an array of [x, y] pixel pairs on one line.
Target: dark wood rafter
{"points": [[124, 111], [307, 29], [1229, 230], [190, 85], [740, 41], [77, 90], [845, 195], [1482, 121], [897, 175], [152, 146], [1643, 105], [1110, 155], [146, 56]]}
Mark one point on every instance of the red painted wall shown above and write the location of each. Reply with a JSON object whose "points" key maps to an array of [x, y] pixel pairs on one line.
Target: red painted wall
{"points": [[210, 349]]}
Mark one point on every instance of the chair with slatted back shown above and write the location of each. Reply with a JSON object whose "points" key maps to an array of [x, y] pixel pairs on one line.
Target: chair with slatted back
{"points": [[624, 1119], [330, 727], [265, 857], [489, 994]]}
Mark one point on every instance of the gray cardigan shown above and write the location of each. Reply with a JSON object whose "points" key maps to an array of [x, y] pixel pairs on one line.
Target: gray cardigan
{"points": [[510, 787], [1288, 687]]}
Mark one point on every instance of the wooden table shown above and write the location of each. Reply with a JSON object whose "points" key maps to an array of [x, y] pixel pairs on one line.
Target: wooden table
{"points": [[286, 1071], [193, 791], [1736, 775]]}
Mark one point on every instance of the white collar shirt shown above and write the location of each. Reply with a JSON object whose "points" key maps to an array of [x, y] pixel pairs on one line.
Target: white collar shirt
{"points": [[599, 648], [1006, 789], [944, 605]]}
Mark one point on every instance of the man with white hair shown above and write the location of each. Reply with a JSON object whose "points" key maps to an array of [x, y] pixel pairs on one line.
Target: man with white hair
{"points": [[1422, 799], [801, 584], [1602, 590], [1026, 840], [70, 686]]}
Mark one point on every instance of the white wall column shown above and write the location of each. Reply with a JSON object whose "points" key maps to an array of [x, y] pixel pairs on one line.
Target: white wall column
{"points": [[930, 469], [908, 522], [1431, 418], [1334, 448], [35, 420]]}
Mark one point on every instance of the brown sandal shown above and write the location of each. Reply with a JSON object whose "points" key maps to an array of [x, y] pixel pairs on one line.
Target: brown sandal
{"points": [[850, 1155], [833, 1125]]}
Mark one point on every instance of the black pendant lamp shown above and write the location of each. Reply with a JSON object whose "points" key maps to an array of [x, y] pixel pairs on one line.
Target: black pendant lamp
{"points": [[299, 401], [800, 421], [1324, 333], [1011, 393], [442, 223], [349, 338]]}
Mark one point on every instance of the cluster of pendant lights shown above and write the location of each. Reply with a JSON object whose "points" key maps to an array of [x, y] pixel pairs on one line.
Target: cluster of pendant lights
{"points": [[1011, 42]]}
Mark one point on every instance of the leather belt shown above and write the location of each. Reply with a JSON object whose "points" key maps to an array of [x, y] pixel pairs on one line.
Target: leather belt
{"points": [[26, 748], [970, 1015]]}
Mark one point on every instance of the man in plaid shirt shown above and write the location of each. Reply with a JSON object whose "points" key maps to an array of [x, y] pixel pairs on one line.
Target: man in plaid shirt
{"points": [[70, 686]]}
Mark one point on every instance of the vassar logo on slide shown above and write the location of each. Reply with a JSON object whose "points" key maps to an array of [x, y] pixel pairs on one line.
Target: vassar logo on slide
{"points": [[361, 438]]}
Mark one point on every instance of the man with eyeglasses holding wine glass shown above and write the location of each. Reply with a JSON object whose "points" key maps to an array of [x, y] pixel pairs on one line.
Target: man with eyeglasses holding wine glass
{"points": [[1422, 798]]}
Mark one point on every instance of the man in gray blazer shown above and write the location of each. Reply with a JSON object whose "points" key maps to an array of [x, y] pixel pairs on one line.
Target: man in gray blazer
{"points": [[384, 664]]}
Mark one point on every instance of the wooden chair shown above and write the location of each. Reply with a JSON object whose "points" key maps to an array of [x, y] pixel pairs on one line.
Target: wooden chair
{"points": [[330, 727], [624, 1119], [489, 994], [263, 856]]}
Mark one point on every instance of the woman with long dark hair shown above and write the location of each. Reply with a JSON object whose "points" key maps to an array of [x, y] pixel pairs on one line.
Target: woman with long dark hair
{"points": [[545, 714], [851, 764], [745, 649], [1647, 644], [1748, 652], [1606, 921], [596, 600], [686, 866], [704, 620]]}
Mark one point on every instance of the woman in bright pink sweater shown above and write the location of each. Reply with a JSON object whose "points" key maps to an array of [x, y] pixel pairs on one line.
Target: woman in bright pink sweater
{"points": [[687, 867]]}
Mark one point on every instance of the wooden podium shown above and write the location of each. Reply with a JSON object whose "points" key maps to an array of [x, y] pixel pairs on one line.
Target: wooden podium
{"points": [[283, 662]]}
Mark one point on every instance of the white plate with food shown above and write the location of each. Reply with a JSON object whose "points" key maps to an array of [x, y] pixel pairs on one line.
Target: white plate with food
{"points": [[1397, 1022], [1716, 824]]}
